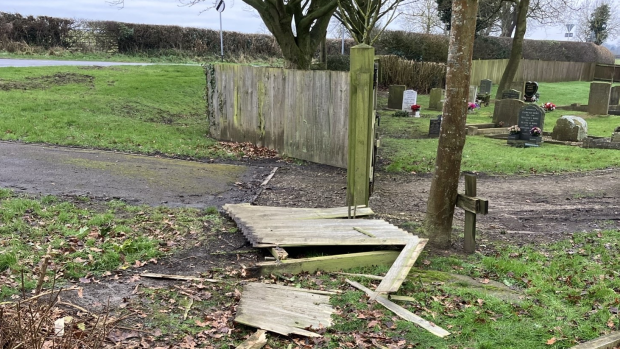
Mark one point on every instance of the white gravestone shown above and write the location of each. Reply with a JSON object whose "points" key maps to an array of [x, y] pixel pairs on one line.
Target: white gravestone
{"points": [[410, 97]]}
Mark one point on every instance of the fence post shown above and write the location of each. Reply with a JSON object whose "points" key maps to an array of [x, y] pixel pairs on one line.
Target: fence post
{"points": [[360, 125]]}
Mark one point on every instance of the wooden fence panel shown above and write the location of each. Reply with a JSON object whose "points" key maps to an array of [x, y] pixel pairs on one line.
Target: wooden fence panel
{"points": [[302, 114], [533, 70]]}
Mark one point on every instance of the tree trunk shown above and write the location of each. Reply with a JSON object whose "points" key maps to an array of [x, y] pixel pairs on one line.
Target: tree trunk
{"points": [[310, 20], [444, 186], [517, 48]]}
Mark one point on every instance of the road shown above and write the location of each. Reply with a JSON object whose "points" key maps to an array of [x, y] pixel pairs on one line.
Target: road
{"points": [[21, 63]]}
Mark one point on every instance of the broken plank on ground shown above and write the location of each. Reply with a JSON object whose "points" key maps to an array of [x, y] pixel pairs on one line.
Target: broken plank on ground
{"points": [[284, 310], [400, 311], [401, 267], [329, 263]]}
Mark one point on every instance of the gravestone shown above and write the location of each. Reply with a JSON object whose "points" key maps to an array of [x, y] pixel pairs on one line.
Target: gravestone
{"points": [[511, 94], [506, 112], [614, 97], [395, 96], [598, 102], [435, 98], [570, 128], [485, 86], [518, 85], [473, 92], [434, 127], [410, 97], [529, 92], [530, 116]]}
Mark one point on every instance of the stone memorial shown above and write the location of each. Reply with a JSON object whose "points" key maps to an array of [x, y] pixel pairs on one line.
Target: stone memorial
{"points": [[435, 98], [511, 94], [530, 116], [395, 96], [530, 90], [410, 97], [614, 97], [570, 128], [615, 136], [517, 85], [473, 93], [485, 87], [598, 102], [506, 112], [434, 127]]}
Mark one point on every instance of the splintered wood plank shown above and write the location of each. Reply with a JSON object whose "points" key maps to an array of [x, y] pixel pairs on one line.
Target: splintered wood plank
{"points": [[284, 310], [255, 341], [401, 267], [400, 311], [329, 263]]}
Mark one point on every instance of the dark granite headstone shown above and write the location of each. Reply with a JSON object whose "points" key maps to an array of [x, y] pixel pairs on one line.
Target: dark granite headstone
{"points": [[434, 127], [530, 116], [485, 86], [395, 96], [529, 93], [511, 94]]}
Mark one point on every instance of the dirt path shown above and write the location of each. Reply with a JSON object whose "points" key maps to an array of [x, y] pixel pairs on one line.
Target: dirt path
{"points": [[522, 209], [136, 179]]}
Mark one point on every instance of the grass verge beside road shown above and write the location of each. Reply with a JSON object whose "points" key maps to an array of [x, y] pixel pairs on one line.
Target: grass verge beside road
{"points": [[143, 109]]}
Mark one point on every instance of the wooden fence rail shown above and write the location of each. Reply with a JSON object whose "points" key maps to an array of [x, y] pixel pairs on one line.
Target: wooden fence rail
{"points": [[533, 70], [301, 114]]}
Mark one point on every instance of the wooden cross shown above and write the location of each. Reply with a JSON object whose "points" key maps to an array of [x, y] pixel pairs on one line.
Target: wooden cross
{"points": [[472, 206]]}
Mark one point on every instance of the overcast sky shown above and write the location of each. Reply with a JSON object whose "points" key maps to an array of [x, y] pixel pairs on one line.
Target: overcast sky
{"points": [[236, 17]]}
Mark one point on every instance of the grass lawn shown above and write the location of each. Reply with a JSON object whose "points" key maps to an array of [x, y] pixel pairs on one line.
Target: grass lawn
{"points": [[406, 147], [145, 109]]}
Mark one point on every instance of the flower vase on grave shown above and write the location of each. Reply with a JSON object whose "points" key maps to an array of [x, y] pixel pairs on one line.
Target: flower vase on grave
{"points": [[416, 114]]}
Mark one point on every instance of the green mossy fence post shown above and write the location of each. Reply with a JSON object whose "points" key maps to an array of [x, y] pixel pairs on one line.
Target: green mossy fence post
{"points": [[360, 125]]}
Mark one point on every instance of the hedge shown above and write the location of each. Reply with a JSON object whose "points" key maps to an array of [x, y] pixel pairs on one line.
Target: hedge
{"points": [[142, 38]]}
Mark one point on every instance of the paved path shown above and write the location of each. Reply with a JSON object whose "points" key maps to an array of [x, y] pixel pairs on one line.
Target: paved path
{"points": [[137, 179], [47, 63]]}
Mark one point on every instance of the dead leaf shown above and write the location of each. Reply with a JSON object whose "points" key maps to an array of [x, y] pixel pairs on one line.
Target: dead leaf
{"points": [[372, 324], [551, 341], [85, 280], [80, 292], [484, 281], [119, 336]]}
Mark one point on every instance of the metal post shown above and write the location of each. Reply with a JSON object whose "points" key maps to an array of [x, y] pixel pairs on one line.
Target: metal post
{"points": [[221, 39], [342, 50]]}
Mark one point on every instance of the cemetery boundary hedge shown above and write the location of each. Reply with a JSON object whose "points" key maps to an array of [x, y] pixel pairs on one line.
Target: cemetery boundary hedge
{"points": [[48, 32]]}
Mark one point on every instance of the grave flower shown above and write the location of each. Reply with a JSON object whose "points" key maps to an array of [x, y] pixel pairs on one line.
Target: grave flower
{"points": [[514, 129], [471, 106], [535, 131], [415, 107], [548, 106]]}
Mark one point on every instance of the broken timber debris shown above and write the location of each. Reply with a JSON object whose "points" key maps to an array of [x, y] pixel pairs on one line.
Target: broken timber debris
{"points": [[400, 311], [176, 277], [401, 267], [276, 226], [255, 341], [284, 310], [328, 263]]}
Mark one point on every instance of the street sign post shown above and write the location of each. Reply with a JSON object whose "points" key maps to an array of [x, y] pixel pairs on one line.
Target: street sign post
{"points": [[220, 8]]}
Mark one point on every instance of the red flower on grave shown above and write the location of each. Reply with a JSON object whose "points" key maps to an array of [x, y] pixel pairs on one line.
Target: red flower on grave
{"points": [[549, 106], [415, 107]]}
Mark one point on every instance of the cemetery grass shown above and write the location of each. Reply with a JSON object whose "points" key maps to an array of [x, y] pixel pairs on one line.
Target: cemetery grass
{"points": [[406, 147], [140, 109], [101, 247]]}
